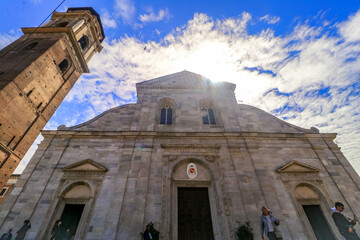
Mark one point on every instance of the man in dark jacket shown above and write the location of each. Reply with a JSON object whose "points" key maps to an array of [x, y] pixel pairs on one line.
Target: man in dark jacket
{"points": [[7, 236], [57, 231], [22, 231], [344, 224], [147, 234]]}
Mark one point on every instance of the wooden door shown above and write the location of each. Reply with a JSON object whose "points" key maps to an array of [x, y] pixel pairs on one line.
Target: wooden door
{"points": [[194, 216]]}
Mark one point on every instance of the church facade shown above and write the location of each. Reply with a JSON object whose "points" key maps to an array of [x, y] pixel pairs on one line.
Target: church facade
{"points": [[188, 158]]}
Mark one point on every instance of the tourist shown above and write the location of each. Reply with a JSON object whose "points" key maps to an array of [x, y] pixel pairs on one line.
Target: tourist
{"points": [[147, 234], [267, 222], [7, 236], [22, 231], [344, 223], [57, 231]]}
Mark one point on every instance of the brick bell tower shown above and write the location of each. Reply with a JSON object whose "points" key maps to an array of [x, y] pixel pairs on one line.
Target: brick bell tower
{"points": [[36, 73]]}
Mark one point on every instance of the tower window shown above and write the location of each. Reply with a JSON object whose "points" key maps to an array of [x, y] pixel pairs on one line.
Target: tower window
{"points": [[208, 116], [64, 65], [84, 41], [63, 24], [3, 191], [28, 94], [31, 45], [38, 106], [166, 115]]}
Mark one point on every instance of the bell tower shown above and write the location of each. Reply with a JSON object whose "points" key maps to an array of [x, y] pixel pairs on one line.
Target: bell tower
{"points": [[36, 73]]}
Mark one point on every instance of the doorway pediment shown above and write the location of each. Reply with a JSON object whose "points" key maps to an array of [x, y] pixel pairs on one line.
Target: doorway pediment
{"points": [[85, 165], [297, 167]]}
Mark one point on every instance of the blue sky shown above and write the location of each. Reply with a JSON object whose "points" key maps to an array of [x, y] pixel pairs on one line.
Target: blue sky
{"points": [[299, 60]]}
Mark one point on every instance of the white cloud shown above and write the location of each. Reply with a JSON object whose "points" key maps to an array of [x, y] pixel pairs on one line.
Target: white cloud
{"points": [[106, 20], [7, 38], [270, 19], [350, 29], [29, 154], [310, 77], [153, 17], [126, 10]]}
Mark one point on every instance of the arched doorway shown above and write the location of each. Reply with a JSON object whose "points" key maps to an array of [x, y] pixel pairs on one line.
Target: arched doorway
{"points": [[312, 206], [194, 214], [74, 199], [72, 209]]}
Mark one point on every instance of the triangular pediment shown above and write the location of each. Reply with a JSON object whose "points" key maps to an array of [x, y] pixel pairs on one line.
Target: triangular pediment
{"points": [[184, 78], [297, 167], [85, 165]]}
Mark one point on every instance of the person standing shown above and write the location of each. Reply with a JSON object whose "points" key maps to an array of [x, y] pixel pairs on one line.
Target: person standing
{"points": [[57, 231], [343, 223], [267, 221], [147, 234], [22, 231], [7, 236]]}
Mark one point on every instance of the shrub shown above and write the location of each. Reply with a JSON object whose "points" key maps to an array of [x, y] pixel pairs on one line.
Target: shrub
{"points": [[244, 231]]}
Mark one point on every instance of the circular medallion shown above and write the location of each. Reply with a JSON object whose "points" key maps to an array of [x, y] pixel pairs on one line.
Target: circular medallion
{"points": [[191, 170]]}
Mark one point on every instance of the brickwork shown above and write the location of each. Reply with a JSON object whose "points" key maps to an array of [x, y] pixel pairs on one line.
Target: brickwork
{"points": [[37, 72], [8, 187]]}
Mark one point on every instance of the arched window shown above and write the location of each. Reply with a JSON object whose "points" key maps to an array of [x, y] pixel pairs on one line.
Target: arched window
{"points": [[208, 115], [31, 45], [3, 191], [166, 115], [63, 24], [84, 41], [64, 65]]}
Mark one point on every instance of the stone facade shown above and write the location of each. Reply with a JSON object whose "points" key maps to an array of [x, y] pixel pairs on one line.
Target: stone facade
{"points": [[125, 167], [36, 73]]}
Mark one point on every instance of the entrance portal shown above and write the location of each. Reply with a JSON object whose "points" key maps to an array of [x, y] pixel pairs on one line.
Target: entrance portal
{"points": [[194, 216], [70, 217], [318, 222]]}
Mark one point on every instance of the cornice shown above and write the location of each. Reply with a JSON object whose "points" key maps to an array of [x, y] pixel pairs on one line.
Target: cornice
{"points": [[178, 146], [245, 135]]}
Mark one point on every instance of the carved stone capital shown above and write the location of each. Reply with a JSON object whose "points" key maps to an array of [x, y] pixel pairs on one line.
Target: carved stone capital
{"points": [[210, 158]]}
